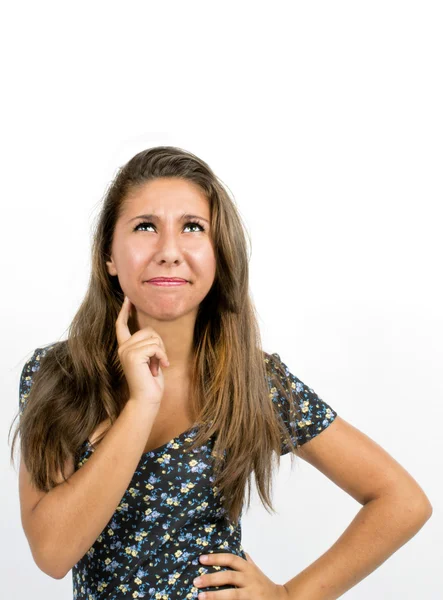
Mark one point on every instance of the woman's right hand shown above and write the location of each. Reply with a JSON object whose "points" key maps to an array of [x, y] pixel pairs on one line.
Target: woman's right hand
{"points": [[140, 355]]}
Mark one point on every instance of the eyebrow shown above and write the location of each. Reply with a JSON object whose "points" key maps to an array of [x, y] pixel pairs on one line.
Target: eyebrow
{"points": [[153, 217]]}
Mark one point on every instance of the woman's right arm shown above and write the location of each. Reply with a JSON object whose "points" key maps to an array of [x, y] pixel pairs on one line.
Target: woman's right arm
{"points": [[61, 525]]}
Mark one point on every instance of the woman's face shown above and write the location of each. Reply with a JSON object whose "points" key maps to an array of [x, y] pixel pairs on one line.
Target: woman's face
{"points": [[164, 243]]}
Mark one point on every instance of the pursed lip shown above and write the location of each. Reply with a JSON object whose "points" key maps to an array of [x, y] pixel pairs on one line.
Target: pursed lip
{"points": [[168, 279]]}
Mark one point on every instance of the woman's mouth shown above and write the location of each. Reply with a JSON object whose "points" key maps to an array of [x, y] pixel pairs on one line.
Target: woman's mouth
{"points": [[167, 282]]}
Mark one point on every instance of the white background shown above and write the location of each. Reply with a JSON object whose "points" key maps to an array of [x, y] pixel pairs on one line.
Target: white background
{"points": [[324, 119]]}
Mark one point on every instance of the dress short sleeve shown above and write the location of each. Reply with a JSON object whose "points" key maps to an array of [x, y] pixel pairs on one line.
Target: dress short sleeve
{"points": [[307, 415], [27, 376]]}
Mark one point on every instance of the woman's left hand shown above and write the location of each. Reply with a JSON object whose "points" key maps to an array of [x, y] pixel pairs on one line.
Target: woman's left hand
{"points": [[245, 575]]}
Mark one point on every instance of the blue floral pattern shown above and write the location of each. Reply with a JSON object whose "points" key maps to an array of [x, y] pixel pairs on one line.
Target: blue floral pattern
{"points": [[171, 512]]}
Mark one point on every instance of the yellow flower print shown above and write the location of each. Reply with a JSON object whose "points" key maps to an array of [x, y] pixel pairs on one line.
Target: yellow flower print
{"points": [[173, 578], [164, 457]]}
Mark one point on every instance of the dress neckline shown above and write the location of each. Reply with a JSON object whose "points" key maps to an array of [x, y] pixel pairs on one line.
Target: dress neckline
{"points": [[157, 450]]}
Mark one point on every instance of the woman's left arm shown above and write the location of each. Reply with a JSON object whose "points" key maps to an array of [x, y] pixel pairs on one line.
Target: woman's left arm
{"points": [[394, 509]]}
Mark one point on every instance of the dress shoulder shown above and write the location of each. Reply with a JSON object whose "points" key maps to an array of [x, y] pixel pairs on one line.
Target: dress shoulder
{"points": [[31, 366]]}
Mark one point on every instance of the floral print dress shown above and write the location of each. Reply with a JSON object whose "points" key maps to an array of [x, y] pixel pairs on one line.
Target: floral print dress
{"points": [[171, 513]]}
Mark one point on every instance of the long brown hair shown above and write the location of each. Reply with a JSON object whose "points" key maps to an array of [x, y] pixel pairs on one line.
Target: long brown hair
{"points": [[80, 382]]}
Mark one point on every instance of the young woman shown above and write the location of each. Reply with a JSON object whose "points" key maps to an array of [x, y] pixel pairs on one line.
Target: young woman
{"points": [[140, 431]]}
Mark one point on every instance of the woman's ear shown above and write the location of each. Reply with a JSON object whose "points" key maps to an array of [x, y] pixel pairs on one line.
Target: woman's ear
{"points": [[111, 267]]}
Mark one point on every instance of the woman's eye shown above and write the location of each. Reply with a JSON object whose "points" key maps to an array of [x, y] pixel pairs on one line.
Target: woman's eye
{"points": [[143, 223], [195, 223], [148, 224]]}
